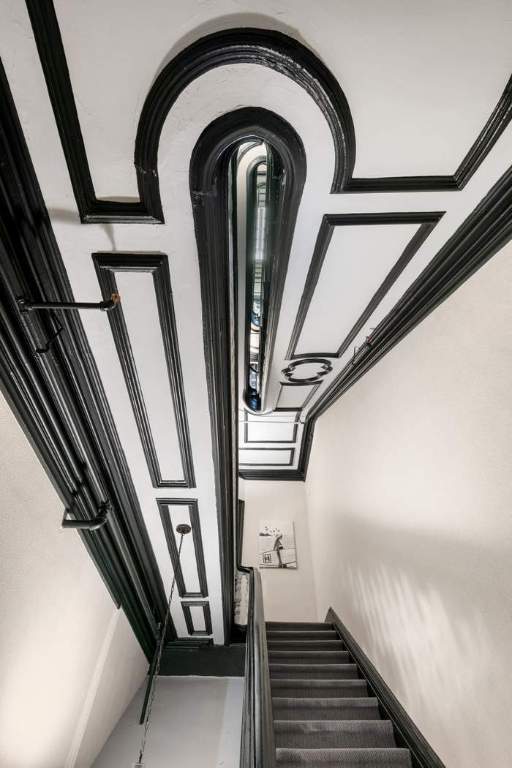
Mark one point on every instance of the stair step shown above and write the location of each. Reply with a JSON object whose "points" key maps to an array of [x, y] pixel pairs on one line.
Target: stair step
{"points": [[297, 626], [314, 734], [317, 689], [314, 671], [344, 758], [314, 634], [285, 708], [305, 645], [308, 657]]}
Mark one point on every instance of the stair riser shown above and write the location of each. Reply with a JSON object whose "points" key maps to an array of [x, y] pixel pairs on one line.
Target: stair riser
{"points": [[349, 758], [301, 636], [290, 709], [295, 657], [306, 645], [292, 626], [340, 692], [279, 671], [331, 735]]}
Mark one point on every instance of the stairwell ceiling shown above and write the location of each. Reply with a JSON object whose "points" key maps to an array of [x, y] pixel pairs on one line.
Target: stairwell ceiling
{"points": [[421, 81]]}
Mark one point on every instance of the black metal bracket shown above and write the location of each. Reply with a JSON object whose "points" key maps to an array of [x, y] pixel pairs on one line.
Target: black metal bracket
{"points": [[105, 306], [44, 350], [98, 521]]}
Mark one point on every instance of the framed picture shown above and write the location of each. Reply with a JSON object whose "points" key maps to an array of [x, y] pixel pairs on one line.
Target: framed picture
{"points": [[276, 542]]}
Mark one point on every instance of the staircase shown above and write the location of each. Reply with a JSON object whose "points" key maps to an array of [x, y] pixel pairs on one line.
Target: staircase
{"points": [[323, 713]]}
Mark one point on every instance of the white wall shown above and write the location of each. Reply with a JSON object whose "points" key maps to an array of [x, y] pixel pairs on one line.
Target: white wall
{"points": [[64, 647], [409, 496], [196, 721], [288, 594]]}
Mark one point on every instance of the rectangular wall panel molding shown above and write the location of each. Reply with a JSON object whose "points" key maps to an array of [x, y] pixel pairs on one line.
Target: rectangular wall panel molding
{"points": [[274, 430], [275, 457], [293, 397], [197, 617], [107, 265], [190, 573]]}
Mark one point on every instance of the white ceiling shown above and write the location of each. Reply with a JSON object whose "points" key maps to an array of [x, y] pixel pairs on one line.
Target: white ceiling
{"points": [[421, 80]]}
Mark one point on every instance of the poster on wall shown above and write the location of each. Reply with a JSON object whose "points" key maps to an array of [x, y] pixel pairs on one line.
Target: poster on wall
{"points": [[277, 544]]}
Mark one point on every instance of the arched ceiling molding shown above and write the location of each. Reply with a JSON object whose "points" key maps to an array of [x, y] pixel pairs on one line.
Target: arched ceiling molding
{"points": [[232, 46], [265, 47], [209, 185]]}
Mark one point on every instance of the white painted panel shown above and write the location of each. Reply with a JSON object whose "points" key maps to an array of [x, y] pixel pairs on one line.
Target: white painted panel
{"points": [[198, 622], [277, 429], [141, 316], [179, 513], [261, 456], [357, 261], [294, 397]]}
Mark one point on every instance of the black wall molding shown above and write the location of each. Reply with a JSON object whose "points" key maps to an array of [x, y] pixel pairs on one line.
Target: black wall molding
{"points": [[156, 264], [479, 237], [247, 424], [484, 232], [58, 396], [407, 734], [426, 222], [244, 45], [287, 409], [169, 526], [186, 605], [209, 188], [323, 367], [289, 463]]}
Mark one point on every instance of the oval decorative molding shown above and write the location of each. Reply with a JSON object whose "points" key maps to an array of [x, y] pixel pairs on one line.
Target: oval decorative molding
{"points": [[323, 365]]}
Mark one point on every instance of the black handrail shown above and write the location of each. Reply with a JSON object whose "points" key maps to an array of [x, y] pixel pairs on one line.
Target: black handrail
{"points": [[258, 745]]}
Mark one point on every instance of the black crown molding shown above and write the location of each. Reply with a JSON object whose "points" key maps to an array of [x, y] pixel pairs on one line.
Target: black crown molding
{"points": [[244, 45], [407, 734], [426, 222], [156, 264], [169, 526], [57, 394]]}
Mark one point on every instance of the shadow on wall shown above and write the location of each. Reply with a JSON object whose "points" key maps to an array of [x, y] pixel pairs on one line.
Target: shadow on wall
{"points": [[231, 21], [435, 633]]}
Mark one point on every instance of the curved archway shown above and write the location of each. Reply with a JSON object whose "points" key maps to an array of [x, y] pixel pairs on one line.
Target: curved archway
{"points": [[241, 46]]}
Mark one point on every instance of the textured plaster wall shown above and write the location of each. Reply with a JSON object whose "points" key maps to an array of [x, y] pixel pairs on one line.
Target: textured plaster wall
{"points": [[409, 497], [69, 662]]}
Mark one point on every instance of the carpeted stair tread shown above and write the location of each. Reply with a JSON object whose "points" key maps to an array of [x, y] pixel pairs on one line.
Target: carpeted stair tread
{"points": [[301, 635], [317, 689], [305, 645], [297, 625], [323, 715], [344, 758], [313, 671], [344, 708], [329, 734], [308, 657]]}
